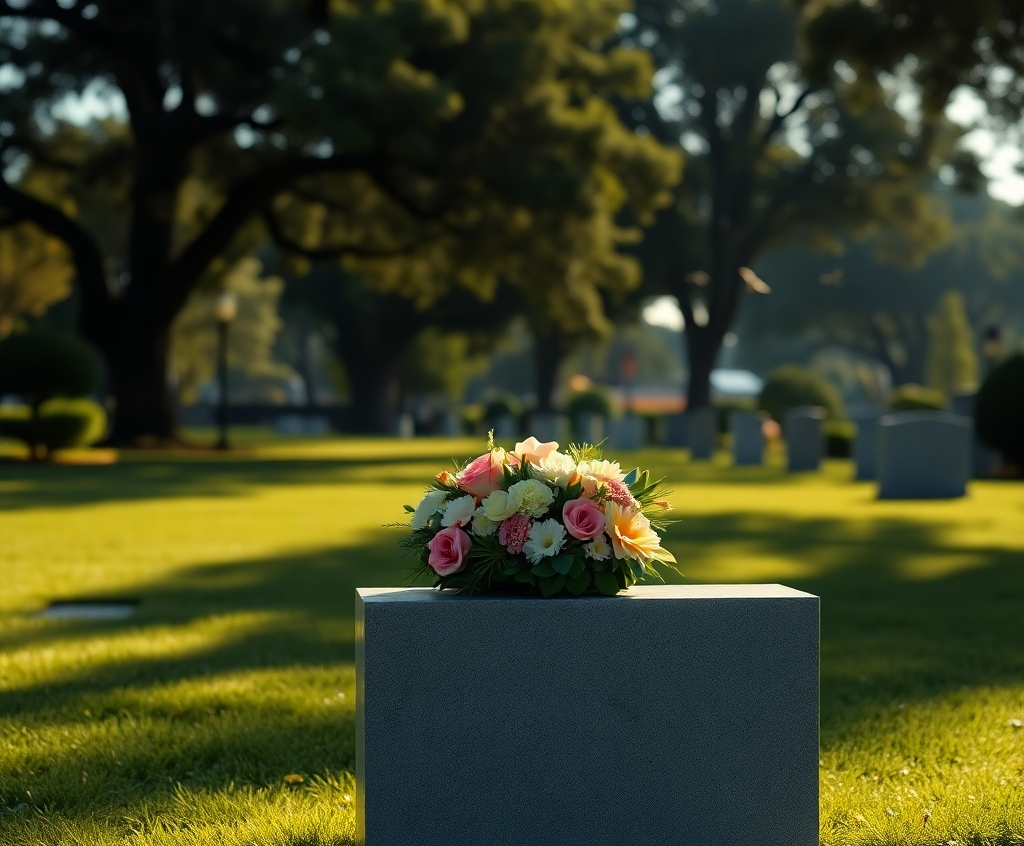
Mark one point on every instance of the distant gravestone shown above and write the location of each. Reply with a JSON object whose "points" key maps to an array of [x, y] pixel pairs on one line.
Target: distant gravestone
{"points": [[983, 459], [702, 433], [451, 425], [923, 455], [865, 446], [506, 428], [590, 427], [318, 426], [292, 425], [549, 427], [802, 430], [747, 429], [405, 426], [627, 433], [675, 430]]}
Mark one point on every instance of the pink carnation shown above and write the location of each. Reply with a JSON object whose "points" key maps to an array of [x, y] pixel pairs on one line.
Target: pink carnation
{"points": [[619, 492], [513, 533]]}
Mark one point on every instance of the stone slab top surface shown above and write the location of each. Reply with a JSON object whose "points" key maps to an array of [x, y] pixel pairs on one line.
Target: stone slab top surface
{"points": [[739, 591]]}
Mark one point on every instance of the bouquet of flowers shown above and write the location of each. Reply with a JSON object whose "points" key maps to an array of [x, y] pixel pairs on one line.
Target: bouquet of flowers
{"points": [[539, 520]]}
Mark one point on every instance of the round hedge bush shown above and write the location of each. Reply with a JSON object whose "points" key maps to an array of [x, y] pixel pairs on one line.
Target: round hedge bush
{"points": [[502, 405], [791, 387], [591, 401], [912, 397], [63, 423], [999, 410], [38, 364]]}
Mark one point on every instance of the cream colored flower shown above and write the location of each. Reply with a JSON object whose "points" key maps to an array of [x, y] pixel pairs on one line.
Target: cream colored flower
{"points": [[534, 496], [459, 511], [533, 450], [595, 473], [501, 505], [631, 533], [428, 507], [599, 549], [556, 468], [482, 527], [545, 540]]}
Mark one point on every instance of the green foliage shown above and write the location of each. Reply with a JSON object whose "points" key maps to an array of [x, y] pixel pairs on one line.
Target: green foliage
{"points": [[38, 364], [916, 398], [952, 362], [63, 423], [790, 387], [501, 405], [35, 273], [440, 362], [839, 435], [595, 400], [999, 410]]}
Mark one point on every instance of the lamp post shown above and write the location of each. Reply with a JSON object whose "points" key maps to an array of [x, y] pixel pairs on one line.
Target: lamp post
{"points": [[992, 347], [224, 311]]}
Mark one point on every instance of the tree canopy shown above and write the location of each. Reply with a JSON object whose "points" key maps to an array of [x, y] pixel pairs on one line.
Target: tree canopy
{"points": [[427, 143]]}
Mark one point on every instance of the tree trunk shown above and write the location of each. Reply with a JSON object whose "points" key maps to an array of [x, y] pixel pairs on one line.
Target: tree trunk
{"points": [[375, 390], [34, 435], [702, 346], [138, 363], [548, 353]]}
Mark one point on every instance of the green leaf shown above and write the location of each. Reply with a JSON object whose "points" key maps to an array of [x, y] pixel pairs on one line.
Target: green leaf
{"points": [[573, 491], [636, 568], [409, 509], [607, 583], [551, 585], [526, 577], [578, 584], [562, 564], [578, 566], [632, 476], [512, 565], [543, 569]]}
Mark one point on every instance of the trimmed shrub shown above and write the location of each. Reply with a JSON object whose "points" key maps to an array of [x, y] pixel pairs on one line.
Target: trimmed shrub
{"points": [[591, 401], [39, 364], [501, 405], [839, 435], [63, 423], [999, 410], [913, 397], [791, 387]]}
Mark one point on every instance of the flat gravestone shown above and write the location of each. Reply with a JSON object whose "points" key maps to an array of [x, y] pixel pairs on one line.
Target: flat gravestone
{"points": [[803, 432], [506, 428], [549, 427], [865, 447], [660, 717], [675, 430], [627, 433], [590, 428], [702, 433], [923, 455], [747, 428]]}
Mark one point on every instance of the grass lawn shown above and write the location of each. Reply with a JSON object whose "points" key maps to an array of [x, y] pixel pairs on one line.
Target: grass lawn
{"points": [[223, 711]]}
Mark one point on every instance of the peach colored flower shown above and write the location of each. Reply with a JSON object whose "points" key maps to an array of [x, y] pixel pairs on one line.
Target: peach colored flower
{"points": [[483, 475], [631, 533], [533, 450]]}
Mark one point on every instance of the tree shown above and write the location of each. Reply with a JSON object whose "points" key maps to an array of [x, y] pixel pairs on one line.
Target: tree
{"points": [[35, 273], [952, 361], [429, 142], [771, 156]]}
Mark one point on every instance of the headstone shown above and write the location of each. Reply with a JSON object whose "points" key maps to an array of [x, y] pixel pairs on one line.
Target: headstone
{"points": [[318, 426], [509, 721], [451, 425], [803, 433], [923, 455], [865, 447], [292, 425], [627, 433], [506, 428], [702, 433], [675, 430], [590, 427], [747, 428], [549, 427], [983, 460], [405, 426]]}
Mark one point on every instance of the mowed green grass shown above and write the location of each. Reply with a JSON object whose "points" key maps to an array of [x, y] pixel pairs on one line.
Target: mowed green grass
{"points": [[191, 722]]}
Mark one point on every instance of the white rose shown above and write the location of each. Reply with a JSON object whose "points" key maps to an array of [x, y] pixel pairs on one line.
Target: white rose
{"points": [[459, 511], [501, 505]]}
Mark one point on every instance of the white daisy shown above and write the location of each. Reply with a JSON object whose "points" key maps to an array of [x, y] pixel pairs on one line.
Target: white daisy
{"points": [[599, 549], [545, 540], [459, 511]]}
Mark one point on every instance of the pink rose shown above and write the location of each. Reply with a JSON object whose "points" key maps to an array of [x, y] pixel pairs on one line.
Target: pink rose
{"points": [[533, 450], [483, 475], [448, 550], [583, 518]]}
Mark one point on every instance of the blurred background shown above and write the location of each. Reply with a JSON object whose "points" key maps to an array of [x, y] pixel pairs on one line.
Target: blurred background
{"points": [[439, 217]]}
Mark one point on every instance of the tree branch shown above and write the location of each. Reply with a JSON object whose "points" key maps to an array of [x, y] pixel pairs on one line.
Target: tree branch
{"points": [[779, 118], [279, 237]]}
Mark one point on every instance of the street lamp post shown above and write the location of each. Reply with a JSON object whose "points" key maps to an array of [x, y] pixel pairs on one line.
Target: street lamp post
{"points": [[225, 311], [992, 347]]}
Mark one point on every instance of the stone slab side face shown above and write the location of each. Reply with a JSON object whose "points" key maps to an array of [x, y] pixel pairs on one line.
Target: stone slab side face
{"points": [[804, 439], [923, 455], [664, 716], [747, 438], [865, 448], [701, 433], [627, 433]]}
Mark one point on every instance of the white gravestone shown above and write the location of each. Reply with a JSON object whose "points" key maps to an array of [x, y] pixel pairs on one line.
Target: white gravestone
{"points": [[663, 716], [451, 425], [702, 433], [405, 426], [803, 433], [549, 427], [747, 428], [590, 427], [865, 447], [627, 433], [506, 428], [923, 455], [675, 430]]}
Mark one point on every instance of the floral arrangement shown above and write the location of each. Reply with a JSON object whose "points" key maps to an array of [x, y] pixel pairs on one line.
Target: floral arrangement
{"points": [[539, 520]]}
